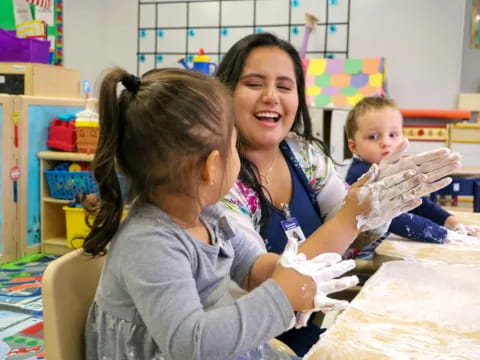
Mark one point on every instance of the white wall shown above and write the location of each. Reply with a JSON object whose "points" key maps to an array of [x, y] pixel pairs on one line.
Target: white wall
{"points": [[421, 39], [99, 34], [422, 42]]}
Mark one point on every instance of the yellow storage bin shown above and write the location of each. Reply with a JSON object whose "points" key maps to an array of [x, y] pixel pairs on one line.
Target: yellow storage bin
{"points": [[77, 228]]}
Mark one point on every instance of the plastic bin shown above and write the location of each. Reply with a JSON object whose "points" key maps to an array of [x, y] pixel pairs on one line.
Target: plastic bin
{"points": [[77, 228], [23, 50], [64, 184], [76, 225]]}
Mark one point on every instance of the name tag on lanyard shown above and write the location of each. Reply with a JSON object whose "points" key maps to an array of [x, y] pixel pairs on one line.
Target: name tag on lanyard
{"points": [[291, 227]]}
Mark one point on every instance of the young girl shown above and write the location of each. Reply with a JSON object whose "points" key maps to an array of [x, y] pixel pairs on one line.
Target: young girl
{"points": [[163, 291]]}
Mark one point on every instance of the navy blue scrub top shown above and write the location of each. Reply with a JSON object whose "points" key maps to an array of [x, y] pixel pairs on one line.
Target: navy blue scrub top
{"points": [[301, 207]]}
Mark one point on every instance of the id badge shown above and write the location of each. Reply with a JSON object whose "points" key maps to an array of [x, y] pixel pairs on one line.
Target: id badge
{"points": [[292, 230]]}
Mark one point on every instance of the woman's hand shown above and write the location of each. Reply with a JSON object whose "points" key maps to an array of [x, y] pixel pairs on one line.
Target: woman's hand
{"points": [[371, 202], [436, 164]]}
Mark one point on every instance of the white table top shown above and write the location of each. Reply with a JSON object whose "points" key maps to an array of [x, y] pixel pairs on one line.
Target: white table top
{"points": [[409, 310]]}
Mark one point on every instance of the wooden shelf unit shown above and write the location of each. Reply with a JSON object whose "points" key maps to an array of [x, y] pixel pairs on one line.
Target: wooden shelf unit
{"points": [[52, 217]]}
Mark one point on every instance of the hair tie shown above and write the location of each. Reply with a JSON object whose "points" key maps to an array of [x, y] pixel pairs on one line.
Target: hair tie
{"points": [[131, 82]]}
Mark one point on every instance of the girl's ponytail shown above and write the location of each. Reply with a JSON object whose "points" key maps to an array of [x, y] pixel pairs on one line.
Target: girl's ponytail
{"points": [[109, 213]]}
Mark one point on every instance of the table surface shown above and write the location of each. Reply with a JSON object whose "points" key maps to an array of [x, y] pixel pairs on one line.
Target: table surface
{"points": [[467, 171], [409, 310]]}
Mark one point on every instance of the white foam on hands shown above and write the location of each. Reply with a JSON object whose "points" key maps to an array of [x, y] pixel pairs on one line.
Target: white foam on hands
{"points": [[324, 269]]}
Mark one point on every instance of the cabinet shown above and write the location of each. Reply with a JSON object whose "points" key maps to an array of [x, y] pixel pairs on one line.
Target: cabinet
{"points": [[53, 231], [24, 123], [8, 204]]}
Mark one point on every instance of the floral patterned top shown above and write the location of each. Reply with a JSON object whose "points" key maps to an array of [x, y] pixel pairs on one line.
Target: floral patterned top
{"points": [[327, 188]]}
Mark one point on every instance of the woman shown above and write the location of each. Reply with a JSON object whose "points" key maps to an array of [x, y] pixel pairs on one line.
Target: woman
{"points": [[286, 172]]}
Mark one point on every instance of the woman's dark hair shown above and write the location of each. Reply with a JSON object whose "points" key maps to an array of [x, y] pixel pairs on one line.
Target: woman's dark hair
{"points": [[157, 131], [229, 72]]}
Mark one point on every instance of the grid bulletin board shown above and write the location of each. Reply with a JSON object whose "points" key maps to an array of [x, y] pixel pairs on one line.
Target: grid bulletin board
{"points": [[168, 30]]}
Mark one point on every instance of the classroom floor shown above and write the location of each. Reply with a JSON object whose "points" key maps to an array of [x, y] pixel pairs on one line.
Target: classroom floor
{"points": [[21, 321]]}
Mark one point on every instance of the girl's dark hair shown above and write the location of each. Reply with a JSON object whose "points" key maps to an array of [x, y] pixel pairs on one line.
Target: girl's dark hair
{"points": [[158, 132], [229, 72]]}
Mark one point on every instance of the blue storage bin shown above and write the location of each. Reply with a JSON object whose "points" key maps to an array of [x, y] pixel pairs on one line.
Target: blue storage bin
{"points": [[64, 184]]}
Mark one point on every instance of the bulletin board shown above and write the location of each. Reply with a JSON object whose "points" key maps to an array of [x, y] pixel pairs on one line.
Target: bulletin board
{"points": [[52, 16], [168, 30]]}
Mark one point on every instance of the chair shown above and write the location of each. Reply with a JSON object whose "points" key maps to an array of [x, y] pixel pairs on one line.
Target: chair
{"points": [[68, 287], [461, 187], [281, 346]]}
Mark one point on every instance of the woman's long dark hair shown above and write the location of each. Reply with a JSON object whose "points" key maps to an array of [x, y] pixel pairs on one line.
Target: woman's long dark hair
{"points": [[158, 131], [229, 72]]}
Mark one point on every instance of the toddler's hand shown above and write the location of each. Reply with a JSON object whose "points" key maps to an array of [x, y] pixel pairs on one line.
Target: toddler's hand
{"points": [[472, 230], [322, 271], [436, 164], [462, 239]]}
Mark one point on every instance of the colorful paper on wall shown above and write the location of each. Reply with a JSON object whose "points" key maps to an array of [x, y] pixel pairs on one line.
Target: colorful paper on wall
{"points": [[52, 15], [344, 82]]}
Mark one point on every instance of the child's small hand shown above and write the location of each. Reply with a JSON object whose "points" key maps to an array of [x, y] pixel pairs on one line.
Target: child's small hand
{"points": [[471, 230], [462, 238], [307, 283]]}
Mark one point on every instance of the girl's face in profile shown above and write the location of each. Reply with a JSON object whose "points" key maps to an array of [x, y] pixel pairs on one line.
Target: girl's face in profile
{"points": [[266, 98]]}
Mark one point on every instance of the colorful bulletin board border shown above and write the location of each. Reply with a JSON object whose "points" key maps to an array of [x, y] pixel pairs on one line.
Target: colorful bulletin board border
{"points": [[475, 29], [55, 32], [344, 82]]}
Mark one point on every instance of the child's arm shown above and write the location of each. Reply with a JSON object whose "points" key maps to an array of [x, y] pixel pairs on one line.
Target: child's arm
{"points": [[418, 228], [261, 270], [431, 210], [162, 274]]}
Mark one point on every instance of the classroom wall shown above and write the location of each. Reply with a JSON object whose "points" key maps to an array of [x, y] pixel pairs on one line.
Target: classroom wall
{"points": [[422, 41], [470, 80], [100, 34]]}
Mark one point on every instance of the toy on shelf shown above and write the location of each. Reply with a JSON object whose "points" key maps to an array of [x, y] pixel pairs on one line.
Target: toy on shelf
{"points": [[62, 133], [87, 127], [310, 23], [201, 63]]}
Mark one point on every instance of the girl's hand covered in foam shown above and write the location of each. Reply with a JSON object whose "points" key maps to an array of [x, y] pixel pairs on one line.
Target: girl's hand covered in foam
{"points": [[436, 164], [323, 271]]}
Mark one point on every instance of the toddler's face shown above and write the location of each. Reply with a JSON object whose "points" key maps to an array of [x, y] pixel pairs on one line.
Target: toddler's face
{"points": [[379, 132]]}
